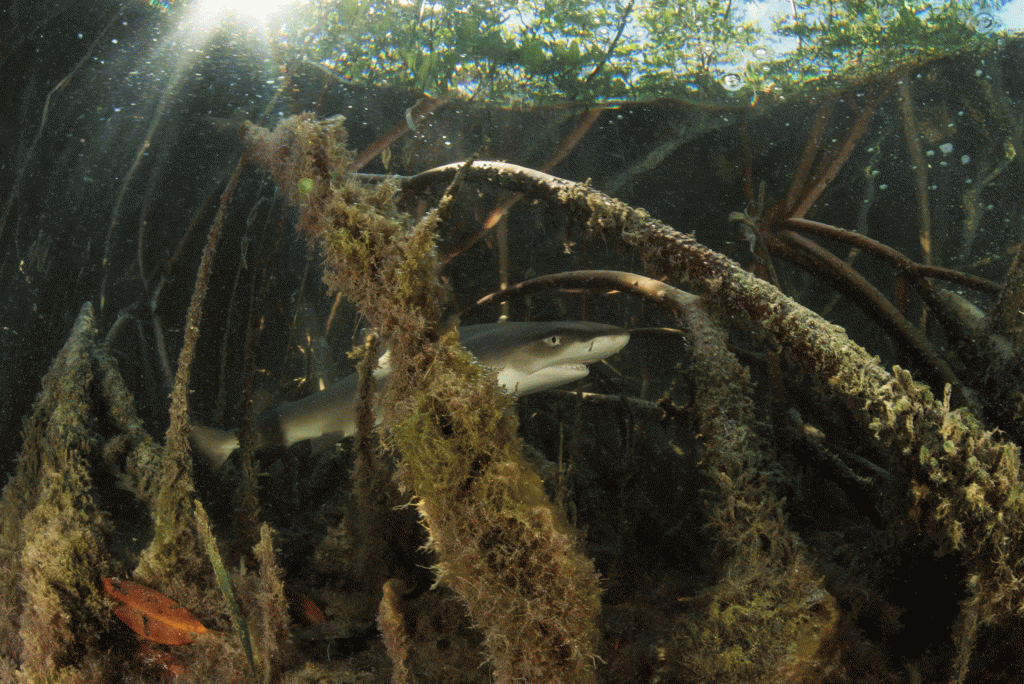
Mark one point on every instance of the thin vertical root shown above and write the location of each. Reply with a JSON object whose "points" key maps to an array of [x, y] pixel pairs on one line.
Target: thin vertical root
{"points": [[168, 267], [175, 547], [46, 113], [913, 137]]}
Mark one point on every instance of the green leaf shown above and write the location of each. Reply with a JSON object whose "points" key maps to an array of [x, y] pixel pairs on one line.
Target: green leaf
{"points": [[574, 50], [532, 55], [237, 617]]}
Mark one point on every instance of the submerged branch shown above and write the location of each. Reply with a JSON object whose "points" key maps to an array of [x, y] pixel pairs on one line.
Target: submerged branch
{"points": [[973, 500]]}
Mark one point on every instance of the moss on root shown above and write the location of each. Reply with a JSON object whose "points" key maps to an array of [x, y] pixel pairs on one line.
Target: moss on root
{"points": [[53, 534], [500, 544]]}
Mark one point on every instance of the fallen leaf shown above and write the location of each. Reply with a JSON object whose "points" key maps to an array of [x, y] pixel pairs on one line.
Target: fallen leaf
{"points": [[152, 615], [310, 612]]}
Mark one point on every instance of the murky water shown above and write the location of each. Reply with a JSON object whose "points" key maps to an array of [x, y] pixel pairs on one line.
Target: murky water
{"points": [[760, 500]]}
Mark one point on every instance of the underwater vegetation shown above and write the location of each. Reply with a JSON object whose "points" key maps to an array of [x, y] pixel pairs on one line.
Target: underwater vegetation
{"points": [[496, 539], [804, 467]]}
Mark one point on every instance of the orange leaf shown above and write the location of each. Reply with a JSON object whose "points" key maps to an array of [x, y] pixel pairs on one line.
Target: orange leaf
{"points": [[152, 615], [310, 611], [154, 630]]}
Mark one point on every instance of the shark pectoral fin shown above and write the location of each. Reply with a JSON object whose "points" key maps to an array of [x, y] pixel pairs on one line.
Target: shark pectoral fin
{"points": [[214, 445]]}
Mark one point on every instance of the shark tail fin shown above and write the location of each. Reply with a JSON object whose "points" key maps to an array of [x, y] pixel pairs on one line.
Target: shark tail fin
{"points": [[213, 444]]}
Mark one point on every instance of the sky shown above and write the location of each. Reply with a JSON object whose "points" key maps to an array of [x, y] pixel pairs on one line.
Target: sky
{"points": [[1012, 16]]}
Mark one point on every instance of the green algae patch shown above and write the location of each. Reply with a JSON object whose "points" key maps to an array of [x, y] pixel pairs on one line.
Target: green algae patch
{"points": [[374, 255], [500, 543], [54, 535]]}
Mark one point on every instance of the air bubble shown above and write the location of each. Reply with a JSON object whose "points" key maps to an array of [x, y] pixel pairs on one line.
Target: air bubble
{"points": [[983, 22], [732, 82], [887, 14], [762, 52]]}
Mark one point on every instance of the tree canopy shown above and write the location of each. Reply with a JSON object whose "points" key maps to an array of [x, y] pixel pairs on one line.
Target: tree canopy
{"points": [[533, 52]]}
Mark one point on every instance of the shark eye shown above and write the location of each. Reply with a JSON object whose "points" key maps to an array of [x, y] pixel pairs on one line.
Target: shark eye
{"points": [[553, 340]]}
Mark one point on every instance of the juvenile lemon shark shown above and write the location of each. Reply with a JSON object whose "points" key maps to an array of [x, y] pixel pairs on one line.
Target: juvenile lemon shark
{"points": [[529, 357]]}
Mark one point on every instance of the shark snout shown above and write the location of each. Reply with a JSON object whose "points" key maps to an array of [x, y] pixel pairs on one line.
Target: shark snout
{"points": [[603, 346]]}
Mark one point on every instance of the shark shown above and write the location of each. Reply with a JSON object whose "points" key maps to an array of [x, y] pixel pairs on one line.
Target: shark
{"points": [[528, 357]]}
